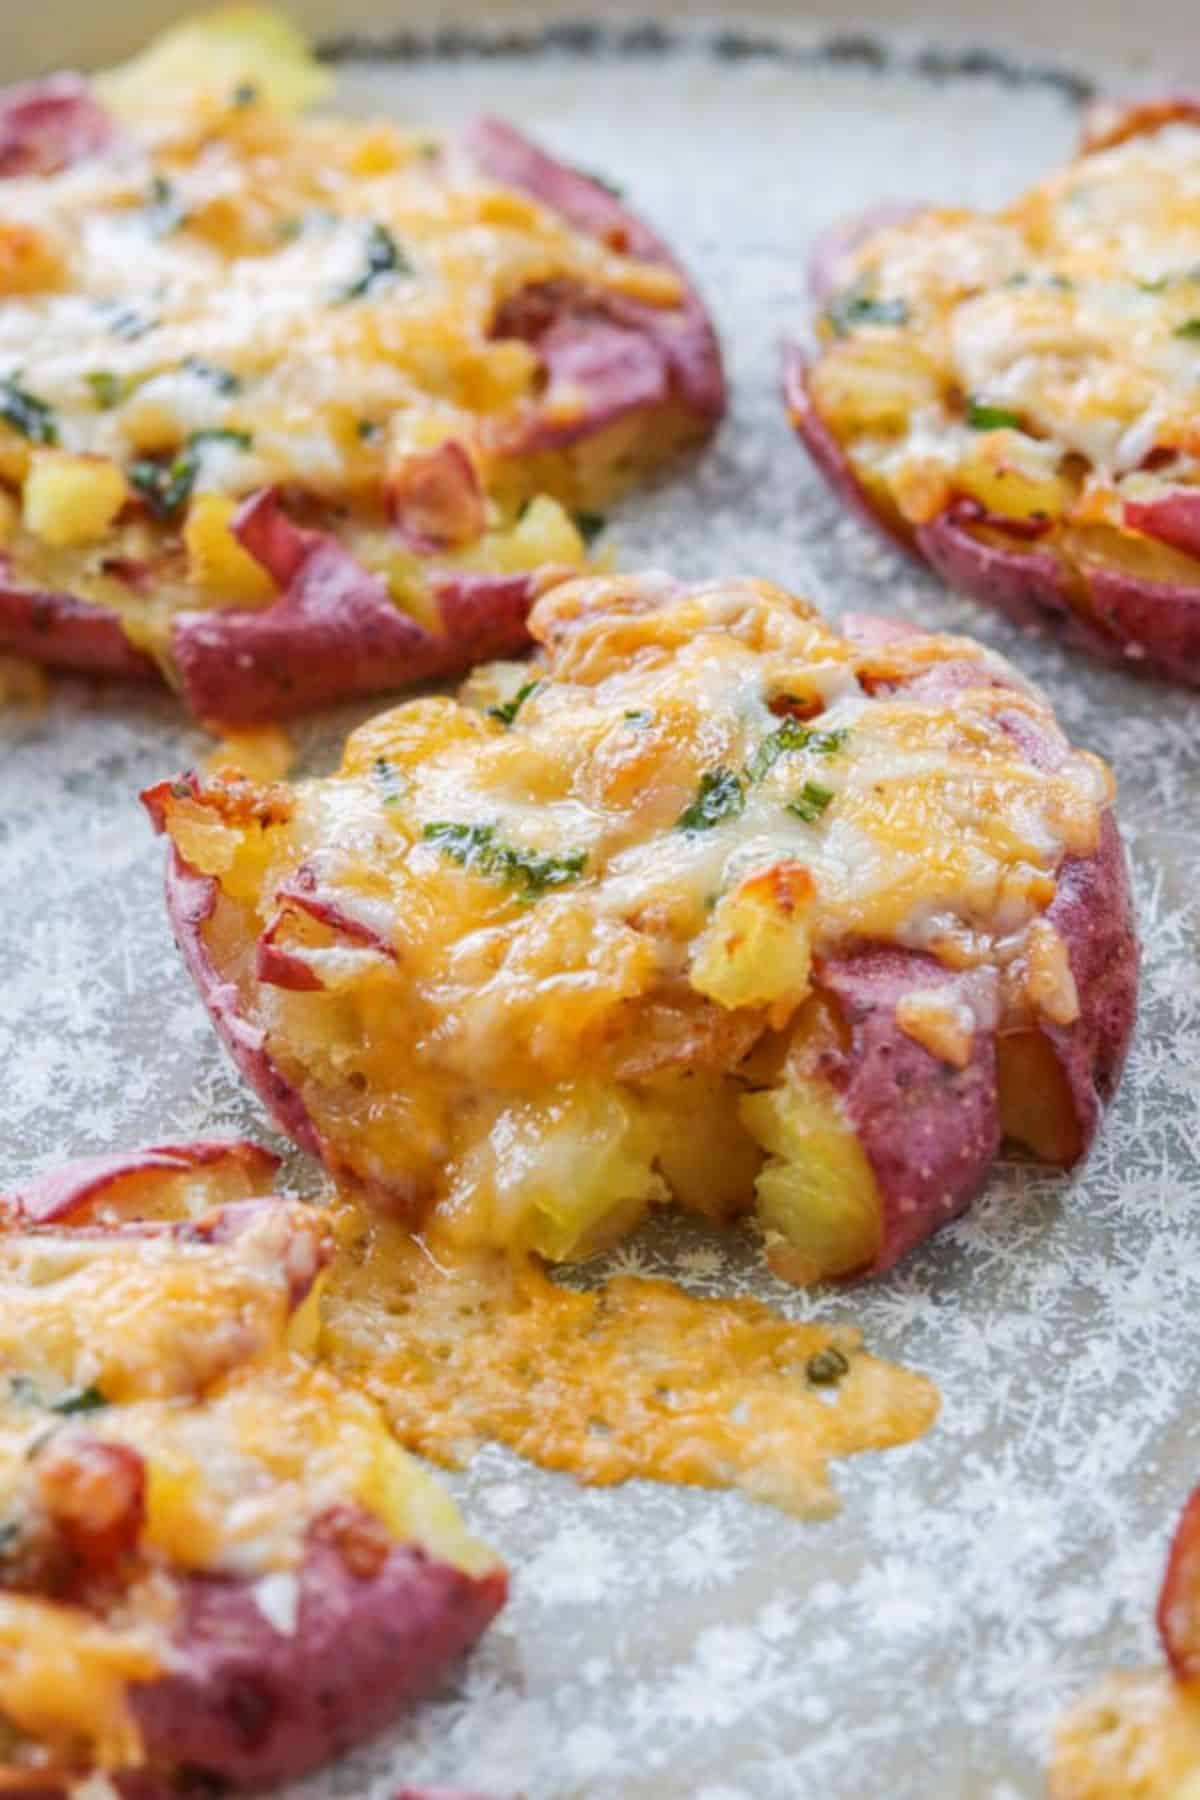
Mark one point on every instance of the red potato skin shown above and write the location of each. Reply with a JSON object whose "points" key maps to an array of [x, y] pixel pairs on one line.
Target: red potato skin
{"points": [[683, 337], [58, 1196], [334, 632], [247, 1705], [895, 1092], [252, 1706], [191, 898], [1178, 1613], [929, 1131], [47, 125]]}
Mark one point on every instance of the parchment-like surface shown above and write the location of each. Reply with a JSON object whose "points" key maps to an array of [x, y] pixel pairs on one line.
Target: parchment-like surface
{"points": [[664, 1642]]}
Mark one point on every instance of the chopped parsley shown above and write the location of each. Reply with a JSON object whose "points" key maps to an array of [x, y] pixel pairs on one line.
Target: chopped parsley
{"points": [[791, 735], [166, 486], [590, 525], [384, 257], [108, 390], [125, 322], [825, 1368], [1189, 329], [10, 1536], [369, 430], [720, 796], [77, 1400], [508, 710], [388, 779], [477, 847], [1024, 279], [72, 1401], [224, 380], [855, 305], [982, 417], [638, 716], [26, 413], [165, 212], [244, 94], [810, 802], [602, 181]]}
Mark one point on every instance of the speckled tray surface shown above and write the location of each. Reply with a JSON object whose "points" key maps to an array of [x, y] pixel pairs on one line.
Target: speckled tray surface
{"points": [[668, 1642]]}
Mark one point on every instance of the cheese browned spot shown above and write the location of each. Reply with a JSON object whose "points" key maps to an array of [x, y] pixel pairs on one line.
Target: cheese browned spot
{"points": [[635, 1379]]}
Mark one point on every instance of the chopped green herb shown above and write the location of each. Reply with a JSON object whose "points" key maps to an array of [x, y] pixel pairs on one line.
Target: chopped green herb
{"points": [[590, 525], [245, 94], [856, 306], [720, 796], [1189, 329], [508, 710], [792, 735], [391, 783], [108, 389], [224, 380], [477, 847], [165, 212], [166, 486], [74, 1400], [10, 1535], [429, 148], [369, 430], [810, 802], [26, 413], [825, 1368], [78, 1400], [602, 181], [982, 417], [288, 230], [383, 257], [125, 322], [639, 716], [1024, 279]]}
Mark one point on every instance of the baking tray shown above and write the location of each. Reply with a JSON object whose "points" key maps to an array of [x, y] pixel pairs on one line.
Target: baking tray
{"points": [[661, 1641]]}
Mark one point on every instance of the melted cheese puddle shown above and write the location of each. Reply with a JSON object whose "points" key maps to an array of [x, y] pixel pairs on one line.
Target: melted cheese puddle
{"points": [[637, 1380]]}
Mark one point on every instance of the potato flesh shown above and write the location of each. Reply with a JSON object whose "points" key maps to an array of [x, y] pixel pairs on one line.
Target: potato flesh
{"points": [[816, 1196], [1036, 1108]]}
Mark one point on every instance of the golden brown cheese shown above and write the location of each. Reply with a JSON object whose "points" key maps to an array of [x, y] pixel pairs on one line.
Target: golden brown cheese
{"points": [[231, 297], [635, 1379], [1042, 361], [531, 937]]}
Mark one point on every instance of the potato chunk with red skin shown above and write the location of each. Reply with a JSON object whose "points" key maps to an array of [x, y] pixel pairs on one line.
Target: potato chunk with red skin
{"points": [[243, 1693], [1102, 554], [876, 1135]]}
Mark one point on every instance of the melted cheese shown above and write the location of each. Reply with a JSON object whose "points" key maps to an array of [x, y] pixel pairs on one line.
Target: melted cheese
{"points": [[1135, 1737], [278, 301], [1076, 310], [525, 929], [635, 1379]]}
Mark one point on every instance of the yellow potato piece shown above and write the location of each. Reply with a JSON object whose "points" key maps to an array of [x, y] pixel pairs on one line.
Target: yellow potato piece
{"points": [[72, 499]]}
